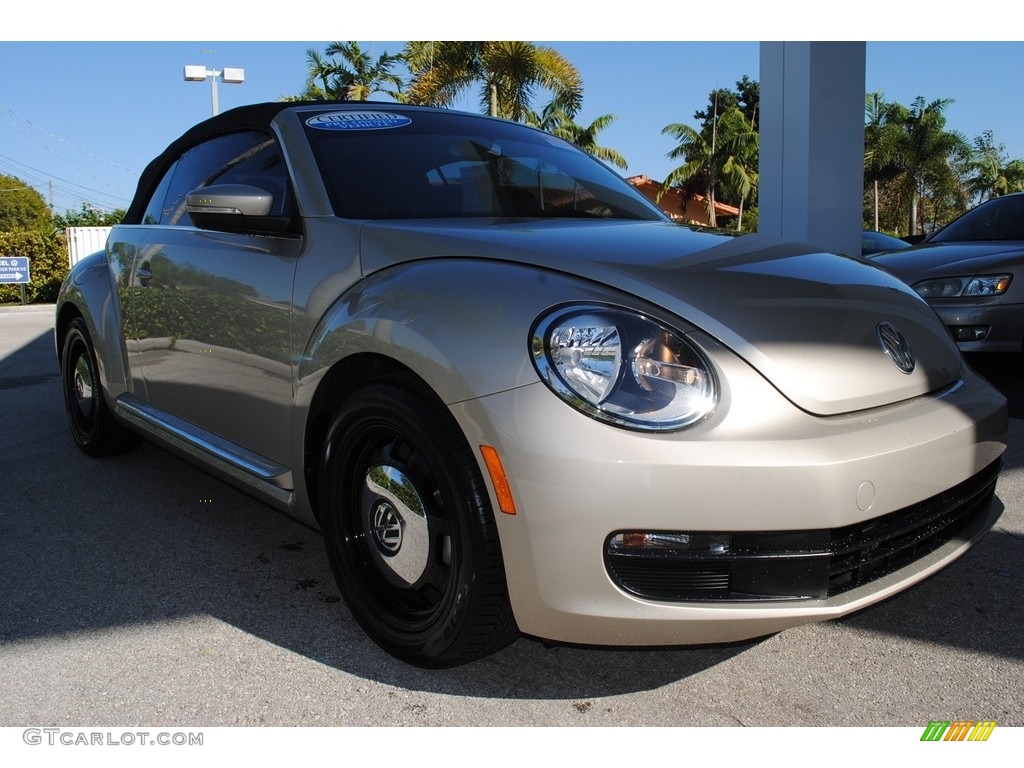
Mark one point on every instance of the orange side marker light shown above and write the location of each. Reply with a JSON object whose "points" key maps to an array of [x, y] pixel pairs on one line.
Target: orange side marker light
{"points": [[498, 479]]}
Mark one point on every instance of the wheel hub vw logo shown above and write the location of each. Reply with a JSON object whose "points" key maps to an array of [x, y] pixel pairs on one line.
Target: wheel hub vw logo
{"points": [[387, 527], [896, 347]]}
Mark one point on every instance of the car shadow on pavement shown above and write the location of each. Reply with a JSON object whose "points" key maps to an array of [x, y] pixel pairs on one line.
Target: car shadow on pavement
{"points": [[89, 545], [974, 605], [92, 545]]}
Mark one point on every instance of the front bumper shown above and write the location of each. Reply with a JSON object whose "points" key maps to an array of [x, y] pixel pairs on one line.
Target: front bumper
{"points": [[757, 465], [1002, 324], [796, 565]]}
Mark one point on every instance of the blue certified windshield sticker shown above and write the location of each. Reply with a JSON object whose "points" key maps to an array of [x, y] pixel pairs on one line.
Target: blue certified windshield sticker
{"points": [[367, 120]]}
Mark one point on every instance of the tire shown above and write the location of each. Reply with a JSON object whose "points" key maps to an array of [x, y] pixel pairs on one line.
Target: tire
{"points": [[93, 426], [409, 530]]}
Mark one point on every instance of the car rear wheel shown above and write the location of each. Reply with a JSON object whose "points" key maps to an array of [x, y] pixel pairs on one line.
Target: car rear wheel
{"points": [[93, 426], [409, 529]]}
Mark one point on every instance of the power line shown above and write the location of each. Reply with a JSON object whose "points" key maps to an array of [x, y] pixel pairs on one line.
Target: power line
{"points": [[46, 178], [55, 153], [65, 141]]}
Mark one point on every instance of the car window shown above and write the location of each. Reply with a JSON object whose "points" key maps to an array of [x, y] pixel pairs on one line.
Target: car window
{"points": [[999, 219], [262, 167], [236, 158], [874, 242], [155, 208], [437, 165]]}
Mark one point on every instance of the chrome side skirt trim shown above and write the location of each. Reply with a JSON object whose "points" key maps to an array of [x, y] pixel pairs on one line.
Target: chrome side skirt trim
{"points": [[249, 469]]}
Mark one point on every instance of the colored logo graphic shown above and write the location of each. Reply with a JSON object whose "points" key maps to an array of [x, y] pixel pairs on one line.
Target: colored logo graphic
{"points": [[366, 120], [958, 730]]}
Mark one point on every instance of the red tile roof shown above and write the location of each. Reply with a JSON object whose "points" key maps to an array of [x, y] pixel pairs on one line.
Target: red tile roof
{"points": [[651, 187]]}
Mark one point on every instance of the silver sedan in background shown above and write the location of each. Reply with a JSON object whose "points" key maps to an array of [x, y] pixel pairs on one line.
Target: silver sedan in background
{"points": [[972, 273]]}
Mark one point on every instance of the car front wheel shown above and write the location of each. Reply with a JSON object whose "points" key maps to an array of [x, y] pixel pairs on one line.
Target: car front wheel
{"points": [[409, 529]]}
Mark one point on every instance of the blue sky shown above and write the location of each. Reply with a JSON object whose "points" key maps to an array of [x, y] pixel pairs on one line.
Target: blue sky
{"points": [[88, 116]]}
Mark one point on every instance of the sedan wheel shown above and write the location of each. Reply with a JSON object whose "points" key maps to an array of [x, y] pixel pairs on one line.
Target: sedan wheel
{"points": [[409, 529]]}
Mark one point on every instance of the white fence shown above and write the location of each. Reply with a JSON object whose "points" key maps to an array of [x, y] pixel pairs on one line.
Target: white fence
{"points": [[85, 240]]}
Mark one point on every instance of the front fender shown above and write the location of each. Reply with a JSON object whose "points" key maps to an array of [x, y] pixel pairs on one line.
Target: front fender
{"points": [[462, 325], [88, 292]]}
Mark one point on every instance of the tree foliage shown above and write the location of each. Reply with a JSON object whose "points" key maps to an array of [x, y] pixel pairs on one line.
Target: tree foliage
{"points": [[919, 174], [882, 134], [746, 98], [87, 216], [993, 173], [554, 120], [720, 157], [22, 208], [508, 74], [48, 264], [345, 72], [925, 155]]}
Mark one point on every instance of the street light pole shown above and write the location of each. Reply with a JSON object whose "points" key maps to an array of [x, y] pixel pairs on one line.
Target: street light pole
{"points": [[199, 73]]}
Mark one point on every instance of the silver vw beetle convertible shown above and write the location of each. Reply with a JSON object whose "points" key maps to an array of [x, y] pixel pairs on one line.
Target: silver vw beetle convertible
{"points": [[514, 396]]}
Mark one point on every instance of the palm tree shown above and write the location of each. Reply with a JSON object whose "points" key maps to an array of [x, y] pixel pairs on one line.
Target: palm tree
{"points": [[720, 153], [1010, 178], [740, 178], [925, 154], [318, 78], [993, 173], [585, 137], [554, 120], [883, 129], [345, 72], [508, 73]]}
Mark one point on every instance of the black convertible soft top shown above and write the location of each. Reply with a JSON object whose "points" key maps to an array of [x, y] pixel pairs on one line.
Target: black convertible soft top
{"points": [[251, 117]]}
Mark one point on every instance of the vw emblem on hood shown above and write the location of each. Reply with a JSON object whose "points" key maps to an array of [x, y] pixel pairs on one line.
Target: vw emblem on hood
{"points": [[896, 346]]}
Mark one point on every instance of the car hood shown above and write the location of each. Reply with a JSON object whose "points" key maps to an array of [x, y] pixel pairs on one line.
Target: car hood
{"points": [[806, 320], [949, 259]]}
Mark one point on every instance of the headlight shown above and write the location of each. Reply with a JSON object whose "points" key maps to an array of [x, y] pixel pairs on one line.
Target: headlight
{"points": [[623, 368], [952, 287]]}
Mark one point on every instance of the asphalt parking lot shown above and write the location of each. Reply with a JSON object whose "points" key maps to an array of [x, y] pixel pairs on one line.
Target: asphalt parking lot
{"points": [[140, 591]]}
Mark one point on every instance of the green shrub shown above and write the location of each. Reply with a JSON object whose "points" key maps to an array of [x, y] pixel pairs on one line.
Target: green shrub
{"points": [[47, 264]]}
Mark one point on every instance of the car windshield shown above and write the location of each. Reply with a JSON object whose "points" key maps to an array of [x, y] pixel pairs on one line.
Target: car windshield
{"points": [[431, 164], [999, 219]]}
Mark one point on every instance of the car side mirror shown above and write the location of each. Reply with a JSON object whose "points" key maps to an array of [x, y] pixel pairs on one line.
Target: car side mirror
{"points": [[238, 208]]}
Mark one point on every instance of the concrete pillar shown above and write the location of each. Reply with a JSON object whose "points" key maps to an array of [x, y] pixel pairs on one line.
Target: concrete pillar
{"points": [[812, 143]]}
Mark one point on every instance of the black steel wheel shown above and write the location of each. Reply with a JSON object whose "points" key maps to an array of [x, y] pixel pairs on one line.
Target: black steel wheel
{"points": [[409, 529], [93, 426]]}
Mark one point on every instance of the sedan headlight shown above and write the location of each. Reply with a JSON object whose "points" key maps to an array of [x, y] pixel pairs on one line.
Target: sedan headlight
{"points": [[623, 368], [953, 287]]}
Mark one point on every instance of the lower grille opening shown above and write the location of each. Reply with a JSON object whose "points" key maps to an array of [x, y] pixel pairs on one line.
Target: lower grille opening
{"points": [[795, 565]]}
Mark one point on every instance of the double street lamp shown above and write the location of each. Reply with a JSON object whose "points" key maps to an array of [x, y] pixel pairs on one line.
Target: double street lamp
{"points": [[198, 73]]}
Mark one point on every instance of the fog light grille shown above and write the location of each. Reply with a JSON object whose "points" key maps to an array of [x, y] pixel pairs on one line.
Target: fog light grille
{"points": [[793, 565]]}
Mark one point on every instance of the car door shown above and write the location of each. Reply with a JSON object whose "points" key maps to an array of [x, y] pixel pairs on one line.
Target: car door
{"points": [[209, 312]]}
